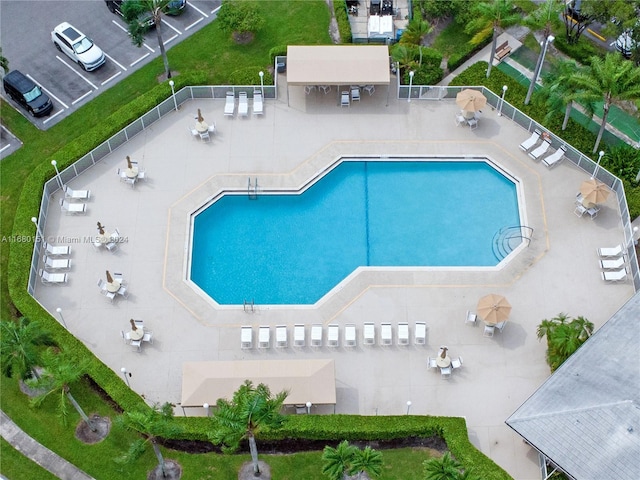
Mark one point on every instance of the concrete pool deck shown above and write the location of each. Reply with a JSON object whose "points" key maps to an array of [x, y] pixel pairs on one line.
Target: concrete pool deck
{"points": [[558, 272]]}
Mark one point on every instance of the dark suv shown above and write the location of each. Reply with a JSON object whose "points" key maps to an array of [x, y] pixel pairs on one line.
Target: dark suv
{"points": [[175, 7], [24, 91]]}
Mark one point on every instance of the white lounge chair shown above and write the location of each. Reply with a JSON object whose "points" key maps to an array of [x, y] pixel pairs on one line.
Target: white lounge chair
{"points": [[76, 194], [344, 99], [57, 250], [369, 334], [386, 334], [243, 104], [246, 337], [52, 278], [72, 208], [614, 276], [612, 264], [264, 334], [420, 335], [316, 335], [555, 157], [258, 106], [229, 105], [350, 335], [333, 335], [471, 317], [281, 336], [298, 335], [355, 94], [607, 252], [403, 333], [541, 150], [531, 141], [56, 263]]}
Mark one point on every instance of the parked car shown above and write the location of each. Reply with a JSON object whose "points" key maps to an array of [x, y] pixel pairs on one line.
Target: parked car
{"points": [[24, 91], [115, 6], [625, 44], [77, 46], [176, 7]]}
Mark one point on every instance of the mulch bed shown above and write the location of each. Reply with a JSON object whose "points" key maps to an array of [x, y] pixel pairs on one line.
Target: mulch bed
{"points": [[88, 436]]}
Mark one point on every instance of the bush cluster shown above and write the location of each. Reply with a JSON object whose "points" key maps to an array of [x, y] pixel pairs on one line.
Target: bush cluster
{"points": [[342, 17]]}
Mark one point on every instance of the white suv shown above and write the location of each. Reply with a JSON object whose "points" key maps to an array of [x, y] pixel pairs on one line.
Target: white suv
{"points": [[77, 46]]}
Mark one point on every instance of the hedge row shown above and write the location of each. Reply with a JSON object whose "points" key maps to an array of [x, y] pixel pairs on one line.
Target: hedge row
{"points": [[342, 17]]}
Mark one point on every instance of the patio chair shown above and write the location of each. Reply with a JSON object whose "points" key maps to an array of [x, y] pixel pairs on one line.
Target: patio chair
{"points": [[403, 333], [52, 278], [593, 211], [136, 344], [246, 337], [112, 246], [316, 335], [431, 363], [370, 89], [349, 335], [148, 337], [264, 334], [500, 326], [369, 334], [531, 141], [471, 318], [57, 250], [456, 362], [355, 94], [298, 335], [555, 157], [243, 104], [333, 335], [613, 264], [309, 88], [72, 208], [281, 336], [193, 132], [204, 136], [420, 335], [472, 122], [580, 210], [212, 128], [386, 334], [615, 275], [344, 99], [489, 330], [445, 372], [229, 105], [540, 150], [258, 106], [76, 194], [460, 120], [56, 263], [325, 88], [608, 252]]}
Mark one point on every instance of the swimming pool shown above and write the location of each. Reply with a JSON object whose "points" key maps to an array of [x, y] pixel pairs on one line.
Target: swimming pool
{"points": [[294, 248]]}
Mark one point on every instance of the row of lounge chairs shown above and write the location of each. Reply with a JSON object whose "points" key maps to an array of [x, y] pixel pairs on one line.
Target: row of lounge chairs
{"points": [[537, 146], [52, 261], [332, 335], [613, 263], [243, 104]]}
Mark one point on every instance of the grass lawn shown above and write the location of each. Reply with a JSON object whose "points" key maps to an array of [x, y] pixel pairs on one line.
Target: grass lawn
{"points": [[15, 465]]}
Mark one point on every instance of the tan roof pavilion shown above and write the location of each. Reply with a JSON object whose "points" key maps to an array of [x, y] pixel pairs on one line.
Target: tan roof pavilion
{"points": [[338, 65], [307, 380]]}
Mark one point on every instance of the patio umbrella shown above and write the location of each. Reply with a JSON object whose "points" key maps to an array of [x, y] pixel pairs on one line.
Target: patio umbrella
{"points": [[109, 277], [594, 191], [200, 119], [444, 352], [470, 100], [129, 162], [493, 308], [100, 228], [133, 324]]}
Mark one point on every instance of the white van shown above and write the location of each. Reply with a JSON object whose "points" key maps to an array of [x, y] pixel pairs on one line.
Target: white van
{"points": [[625, 44]]}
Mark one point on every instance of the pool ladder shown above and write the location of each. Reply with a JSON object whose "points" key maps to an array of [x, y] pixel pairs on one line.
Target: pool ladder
{"points": [[249, 306], [252, 189], [502, 245]]}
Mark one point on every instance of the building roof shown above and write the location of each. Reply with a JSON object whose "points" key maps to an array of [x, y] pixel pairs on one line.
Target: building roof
{"points": [[586, 417], [338, 65]]}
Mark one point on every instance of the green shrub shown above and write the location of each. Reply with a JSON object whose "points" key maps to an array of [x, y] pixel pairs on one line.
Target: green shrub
{"points": [[580, 51], [342, 17], [249, 76], [464, 53], [277, 51]]}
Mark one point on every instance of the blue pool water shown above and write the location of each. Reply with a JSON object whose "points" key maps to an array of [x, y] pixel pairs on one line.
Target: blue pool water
{"points": [[293, 249]]}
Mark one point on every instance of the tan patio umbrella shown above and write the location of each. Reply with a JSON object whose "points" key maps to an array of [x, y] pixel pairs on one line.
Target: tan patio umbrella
{"points": [[109, 277], [470, 100], [100, 228], [200, 119], [133, 324], [493, 308], [593, 191], [129, 162], [444, 352]]}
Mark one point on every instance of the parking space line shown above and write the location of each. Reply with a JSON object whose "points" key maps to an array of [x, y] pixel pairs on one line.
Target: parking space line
{"points": [[119, 26], [140, 59], [148, 48], [51, 117], [215, 10], [115, 62], [191, 5], [74, 71], [167, 41], [48, 92], [194, 23], [80, 98], [171, 27], [111, 78]]}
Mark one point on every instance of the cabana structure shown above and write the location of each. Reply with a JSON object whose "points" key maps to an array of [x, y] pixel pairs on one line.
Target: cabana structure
{"points": [[338, 65], [306, 380]]}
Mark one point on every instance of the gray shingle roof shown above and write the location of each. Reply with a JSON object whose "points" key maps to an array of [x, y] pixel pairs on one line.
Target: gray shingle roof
{"points": [[586, 416]]}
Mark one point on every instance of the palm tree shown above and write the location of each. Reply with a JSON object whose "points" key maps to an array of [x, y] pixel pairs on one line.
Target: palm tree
{"points": [[337, 461], [442, 468], [61, 370], [152, 424], [251, 410], [132, 10], [366, 460], [415, 31], [610, 79], [557, 91], [20, 347], [4, 62], [563, 337], [490, 17]]}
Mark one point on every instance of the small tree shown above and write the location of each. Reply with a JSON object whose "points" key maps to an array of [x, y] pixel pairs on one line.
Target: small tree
{"points": [[564, 337], [367, 460], [415, 32], [239, 17], [347, 459], [557, 92], [251, 410], [446, 468], [152, 424], [20, 344], [4, 62]]}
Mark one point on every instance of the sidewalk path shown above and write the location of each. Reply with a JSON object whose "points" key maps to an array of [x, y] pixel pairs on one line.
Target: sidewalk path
{"points": [[36, 452]]}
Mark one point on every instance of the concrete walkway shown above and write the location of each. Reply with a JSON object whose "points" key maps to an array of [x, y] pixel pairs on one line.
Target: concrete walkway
{"points": [[36, 452]]}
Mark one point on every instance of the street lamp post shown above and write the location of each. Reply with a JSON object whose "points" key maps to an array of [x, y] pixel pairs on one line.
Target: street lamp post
{"points": [[504, 91], [538, 68], [206, 409], [595, 171], [411, 74], [261, 73], [173, 94], [35, 222], [126, 378], [408, 406], [308, 404], [59, 310], [55, 165]]}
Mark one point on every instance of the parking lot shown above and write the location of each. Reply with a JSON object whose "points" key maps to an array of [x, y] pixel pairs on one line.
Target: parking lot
{"points": [[26, 42]]}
